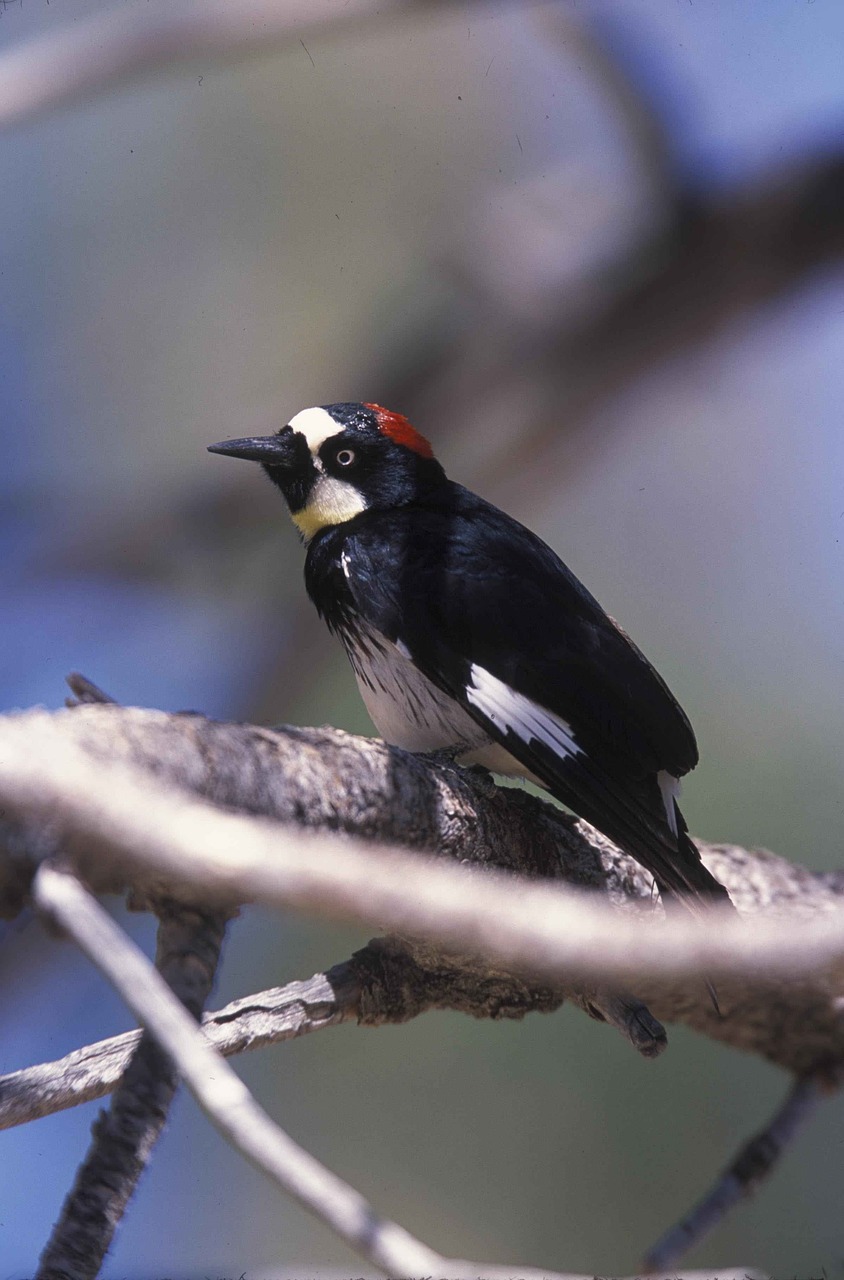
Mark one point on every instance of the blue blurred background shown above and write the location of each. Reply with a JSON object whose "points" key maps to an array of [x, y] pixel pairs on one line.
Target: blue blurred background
{"points": [[443, 214]]}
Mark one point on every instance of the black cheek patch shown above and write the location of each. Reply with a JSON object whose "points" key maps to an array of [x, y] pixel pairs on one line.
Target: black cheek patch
{"points": [[297, 480]]}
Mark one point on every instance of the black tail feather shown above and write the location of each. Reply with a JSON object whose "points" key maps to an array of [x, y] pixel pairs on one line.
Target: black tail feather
{"points": [[688, 880], [631, 812]]}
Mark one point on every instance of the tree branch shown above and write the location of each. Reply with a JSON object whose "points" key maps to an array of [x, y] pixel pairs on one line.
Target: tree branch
{"points": [[379, 985], [225, 1099], [187, 956], [704, 261], [778, 976], [265, 1018], [754, 1163]]}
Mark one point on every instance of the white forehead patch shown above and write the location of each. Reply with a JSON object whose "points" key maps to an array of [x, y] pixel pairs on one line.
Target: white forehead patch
{"points": [[316, 426]]}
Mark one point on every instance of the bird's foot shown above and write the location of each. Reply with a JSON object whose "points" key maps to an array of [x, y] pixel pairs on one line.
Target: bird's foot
{"points": [[449, 757], [443, 757]]}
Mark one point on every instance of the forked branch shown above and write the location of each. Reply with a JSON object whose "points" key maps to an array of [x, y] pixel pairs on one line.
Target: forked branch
{"points": [[226, 1100]]}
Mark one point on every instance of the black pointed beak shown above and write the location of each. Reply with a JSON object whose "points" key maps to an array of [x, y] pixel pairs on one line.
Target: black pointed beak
{"points": [[274, 451]]}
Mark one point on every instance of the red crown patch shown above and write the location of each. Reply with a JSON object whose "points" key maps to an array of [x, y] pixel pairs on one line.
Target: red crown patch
{"points": [[397, 427]]}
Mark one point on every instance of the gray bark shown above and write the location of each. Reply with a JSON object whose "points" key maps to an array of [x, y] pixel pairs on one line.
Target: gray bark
{"points": [[325, 780]]}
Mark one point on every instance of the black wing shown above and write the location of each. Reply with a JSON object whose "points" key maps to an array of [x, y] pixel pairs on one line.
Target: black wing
{"points": [[491, 615], [473, 586]]}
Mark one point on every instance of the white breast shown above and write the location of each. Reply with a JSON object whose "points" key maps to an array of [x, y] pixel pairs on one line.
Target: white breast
{"points": [[411, 712], [406, 708]]}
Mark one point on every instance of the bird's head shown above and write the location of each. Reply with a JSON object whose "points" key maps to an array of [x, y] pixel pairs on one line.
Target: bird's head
{"points": [[337, 460]]}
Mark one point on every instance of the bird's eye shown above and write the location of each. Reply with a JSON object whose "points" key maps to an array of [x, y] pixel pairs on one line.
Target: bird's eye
{"points": [[345, 457]]}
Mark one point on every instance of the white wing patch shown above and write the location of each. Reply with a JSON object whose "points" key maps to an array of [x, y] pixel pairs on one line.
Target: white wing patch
{"points": [[316, 426], [670, 788], [514, 713]]}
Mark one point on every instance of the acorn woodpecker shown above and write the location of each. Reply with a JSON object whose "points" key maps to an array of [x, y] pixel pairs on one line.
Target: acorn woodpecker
{"points": [[467, 633]]}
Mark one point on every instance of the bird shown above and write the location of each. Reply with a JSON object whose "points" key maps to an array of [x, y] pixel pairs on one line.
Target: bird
{"points": [[468, 635]]}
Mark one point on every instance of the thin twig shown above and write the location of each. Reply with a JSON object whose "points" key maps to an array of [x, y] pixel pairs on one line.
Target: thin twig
{"points": [[382, 983], [228, 1103], [86, 693], [224, 1098], [252, 1022], [754, 1163], [124, 1136]]}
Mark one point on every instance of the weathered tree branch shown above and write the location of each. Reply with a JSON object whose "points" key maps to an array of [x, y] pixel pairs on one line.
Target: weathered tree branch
{"points": [[226, 1100], [778, 983], [783, 1006], [253, 1022], [379, 985]]}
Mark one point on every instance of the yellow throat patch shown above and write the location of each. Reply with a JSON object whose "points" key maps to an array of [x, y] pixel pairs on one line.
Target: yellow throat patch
{"points": [[332, 501]]}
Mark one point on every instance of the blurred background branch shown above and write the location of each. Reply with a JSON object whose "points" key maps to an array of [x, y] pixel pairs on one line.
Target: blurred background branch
{"points": [[753, 1164], [113, 48]]}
